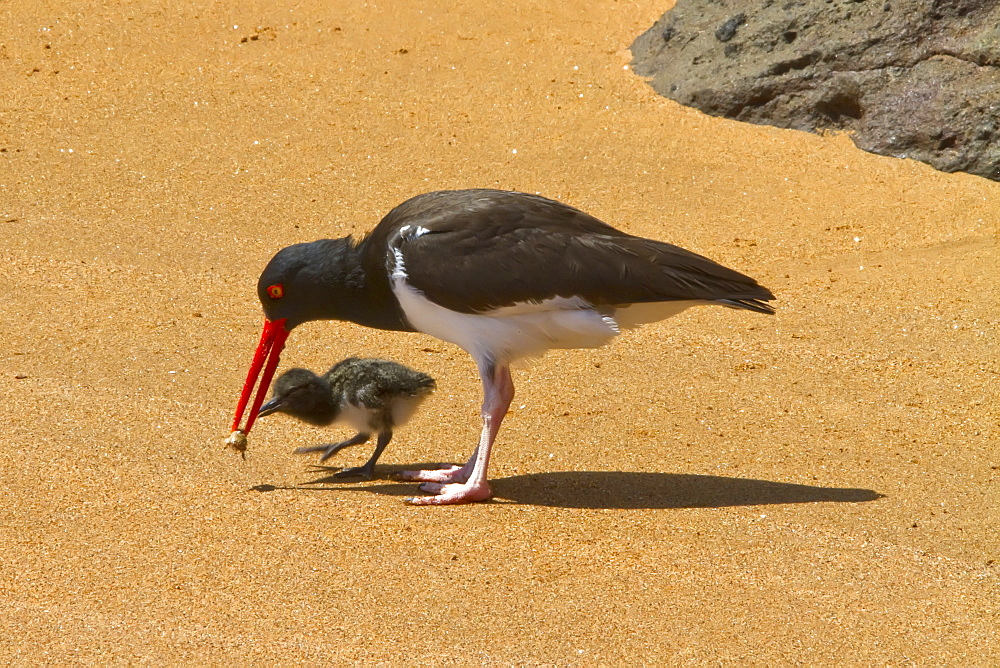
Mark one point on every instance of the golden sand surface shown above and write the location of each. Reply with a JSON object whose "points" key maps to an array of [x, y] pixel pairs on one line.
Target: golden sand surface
{"points": [[820, 486]]}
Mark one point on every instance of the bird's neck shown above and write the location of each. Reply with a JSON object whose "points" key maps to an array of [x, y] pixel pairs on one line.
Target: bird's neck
{"points": [[321, 407], [323, 414], [356, 286]]}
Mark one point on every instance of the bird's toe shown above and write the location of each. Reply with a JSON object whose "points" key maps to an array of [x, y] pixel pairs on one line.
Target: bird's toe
{"points": [[355, 472], [327, 454], [450, 494], [445, 475]]}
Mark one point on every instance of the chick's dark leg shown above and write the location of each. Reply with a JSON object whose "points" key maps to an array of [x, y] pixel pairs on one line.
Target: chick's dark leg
{"points": [[367, 471], [333, 448]]}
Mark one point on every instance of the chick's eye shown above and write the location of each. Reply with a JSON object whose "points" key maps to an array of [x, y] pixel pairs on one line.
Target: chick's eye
{"points": [[276, 291]]}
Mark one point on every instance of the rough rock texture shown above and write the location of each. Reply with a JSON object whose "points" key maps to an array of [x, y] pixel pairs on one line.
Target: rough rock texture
{"points": [[910, 78]]}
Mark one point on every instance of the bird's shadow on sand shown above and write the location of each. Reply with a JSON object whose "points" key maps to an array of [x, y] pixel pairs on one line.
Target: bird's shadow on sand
{"points": [[610, 489]]}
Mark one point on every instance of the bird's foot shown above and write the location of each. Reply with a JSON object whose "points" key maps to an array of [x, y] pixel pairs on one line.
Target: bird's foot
{"points": [[330, 449], [445, 475], [451, 494], [366, 472], [327, 450]]}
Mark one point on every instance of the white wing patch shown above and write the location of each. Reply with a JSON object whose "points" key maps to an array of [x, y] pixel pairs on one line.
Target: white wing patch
{"points": [[544, 305], [399, 268], [406, 232], [631, 316]]}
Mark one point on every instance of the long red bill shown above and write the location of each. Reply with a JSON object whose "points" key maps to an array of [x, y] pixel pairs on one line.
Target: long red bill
{"points": [[268, 354]]}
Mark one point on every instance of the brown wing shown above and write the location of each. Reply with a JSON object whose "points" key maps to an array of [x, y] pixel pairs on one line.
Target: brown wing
{"points": [[477, 250]]}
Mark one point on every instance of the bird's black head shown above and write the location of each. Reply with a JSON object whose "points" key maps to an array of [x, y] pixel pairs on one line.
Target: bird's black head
{"points": [[320, 280], [311, 281], [304, 395]]}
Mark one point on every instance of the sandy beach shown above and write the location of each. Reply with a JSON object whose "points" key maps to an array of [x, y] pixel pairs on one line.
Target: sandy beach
{"points": [[817, 487]]}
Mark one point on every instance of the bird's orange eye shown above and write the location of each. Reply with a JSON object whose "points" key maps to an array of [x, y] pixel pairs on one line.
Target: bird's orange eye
{"points": [[276, 291]]}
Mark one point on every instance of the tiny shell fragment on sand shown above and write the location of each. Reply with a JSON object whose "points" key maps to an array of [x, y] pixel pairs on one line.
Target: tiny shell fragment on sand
{"points": [[238, 442]]}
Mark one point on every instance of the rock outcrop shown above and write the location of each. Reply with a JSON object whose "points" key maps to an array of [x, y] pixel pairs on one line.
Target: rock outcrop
{"points": [[908, 78]]}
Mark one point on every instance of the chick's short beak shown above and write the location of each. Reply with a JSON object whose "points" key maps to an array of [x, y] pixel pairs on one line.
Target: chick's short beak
{"points": [[272, 406]]}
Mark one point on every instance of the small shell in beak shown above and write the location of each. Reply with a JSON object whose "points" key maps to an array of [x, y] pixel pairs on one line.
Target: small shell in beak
{"points": [[238, 442]]}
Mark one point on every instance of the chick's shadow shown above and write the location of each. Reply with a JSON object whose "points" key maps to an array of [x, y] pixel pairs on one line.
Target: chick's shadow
{"points": [[611, 489]]}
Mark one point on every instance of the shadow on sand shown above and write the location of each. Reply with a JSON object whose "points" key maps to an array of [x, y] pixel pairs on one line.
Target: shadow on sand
{"points": [[612, 489]]}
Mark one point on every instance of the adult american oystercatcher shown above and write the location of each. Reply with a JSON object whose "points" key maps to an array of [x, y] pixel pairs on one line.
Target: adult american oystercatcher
{"points": [[504, 275], [370, 395]]}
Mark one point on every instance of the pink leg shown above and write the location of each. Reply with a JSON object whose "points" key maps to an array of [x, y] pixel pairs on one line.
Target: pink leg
{"points": [[464, 484], [446, 474]]}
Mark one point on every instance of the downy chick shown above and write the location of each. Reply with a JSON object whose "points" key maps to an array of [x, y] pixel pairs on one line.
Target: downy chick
{"points": [[371, 395]]}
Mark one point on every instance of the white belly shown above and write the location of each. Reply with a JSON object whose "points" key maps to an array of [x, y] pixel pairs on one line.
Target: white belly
{"points": [[369, 420], [403, 409], [356, 417], [526, 330]]}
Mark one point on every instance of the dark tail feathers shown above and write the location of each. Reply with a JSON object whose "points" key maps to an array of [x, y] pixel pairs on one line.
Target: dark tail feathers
{"points": [[748, 304]]}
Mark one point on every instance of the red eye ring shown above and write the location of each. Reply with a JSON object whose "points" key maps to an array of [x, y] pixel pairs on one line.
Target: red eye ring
{"points": [[276, 291]]}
